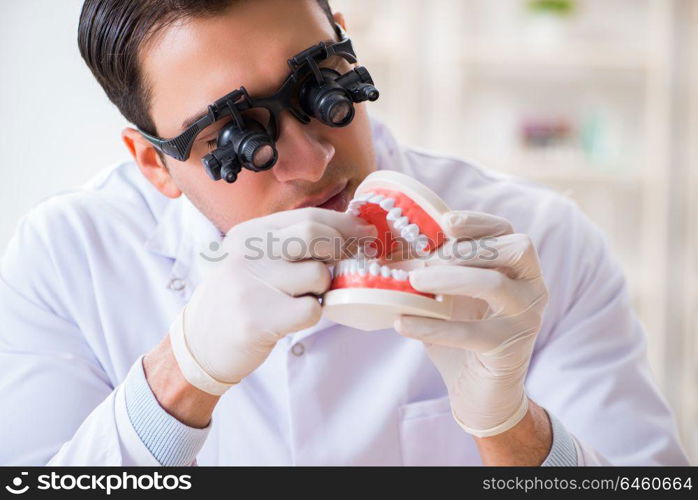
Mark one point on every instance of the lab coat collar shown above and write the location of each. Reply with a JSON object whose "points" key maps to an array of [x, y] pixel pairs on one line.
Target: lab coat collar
{"points": [[184, 234]]}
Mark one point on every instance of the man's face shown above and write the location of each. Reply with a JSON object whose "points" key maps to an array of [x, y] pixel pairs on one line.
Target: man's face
{"points": [[193, 63]]}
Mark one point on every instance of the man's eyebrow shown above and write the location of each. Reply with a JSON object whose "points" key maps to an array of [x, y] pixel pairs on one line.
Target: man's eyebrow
{"points": [[194, 118]]}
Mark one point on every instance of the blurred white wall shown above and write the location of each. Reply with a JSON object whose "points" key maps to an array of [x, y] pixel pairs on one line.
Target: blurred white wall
{"points": [[57, 128]]}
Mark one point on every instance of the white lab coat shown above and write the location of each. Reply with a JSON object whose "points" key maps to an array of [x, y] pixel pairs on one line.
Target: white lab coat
{"points": [[93, 278]]}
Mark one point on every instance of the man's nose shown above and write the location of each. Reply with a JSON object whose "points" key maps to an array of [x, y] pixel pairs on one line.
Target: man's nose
{"points": [[303, 153]]}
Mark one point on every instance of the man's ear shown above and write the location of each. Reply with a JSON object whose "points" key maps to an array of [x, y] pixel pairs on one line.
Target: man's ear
{"points": [[339, 18], [149, 162]]}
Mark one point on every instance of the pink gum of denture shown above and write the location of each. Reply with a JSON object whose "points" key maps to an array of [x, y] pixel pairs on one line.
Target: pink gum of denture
{"points": [[376, 215]]}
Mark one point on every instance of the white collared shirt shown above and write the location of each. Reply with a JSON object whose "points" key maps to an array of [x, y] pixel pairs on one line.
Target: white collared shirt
{"points": [[93, 278]]}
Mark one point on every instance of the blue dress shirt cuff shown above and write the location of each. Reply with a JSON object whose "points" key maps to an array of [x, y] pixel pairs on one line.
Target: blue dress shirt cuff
{"points": [[171, 442], [563, 452]]}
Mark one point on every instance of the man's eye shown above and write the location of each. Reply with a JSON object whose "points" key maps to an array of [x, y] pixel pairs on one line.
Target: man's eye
{"points": [[211, 144], [338, 64]]}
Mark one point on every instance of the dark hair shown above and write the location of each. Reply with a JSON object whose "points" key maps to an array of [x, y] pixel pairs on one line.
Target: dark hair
{"points": [[111, 33]]}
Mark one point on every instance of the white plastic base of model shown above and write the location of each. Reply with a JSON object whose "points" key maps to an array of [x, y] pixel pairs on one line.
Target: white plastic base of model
{"points": [[371, 309]]}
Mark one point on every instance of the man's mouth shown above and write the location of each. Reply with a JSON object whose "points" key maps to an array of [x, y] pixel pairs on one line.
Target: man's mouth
{"points": [[335, 198]]}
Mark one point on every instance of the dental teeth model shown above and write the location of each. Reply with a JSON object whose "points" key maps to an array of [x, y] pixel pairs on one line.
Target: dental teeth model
{"points": [[369, 294]]}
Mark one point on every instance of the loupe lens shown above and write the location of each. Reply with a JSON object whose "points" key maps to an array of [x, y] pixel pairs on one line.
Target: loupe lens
{"points": [[334, 108], [264, 157], [254, 147], [250, 147], [339, 112], [330, 103]]}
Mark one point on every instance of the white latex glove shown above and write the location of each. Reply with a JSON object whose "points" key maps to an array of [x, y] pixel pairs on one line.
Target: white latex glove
{"points": [[238, 313], [484, 351]]}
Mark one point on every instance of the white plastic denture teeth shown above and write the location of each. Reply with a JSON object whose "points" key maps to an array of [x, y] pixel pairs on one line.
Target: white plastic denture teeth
{"points": [[399, 274], [411, 238], [410, 230], [394, 214], [365, 196], [363, 268], [387, 204], [401, 223], [354, 206]]}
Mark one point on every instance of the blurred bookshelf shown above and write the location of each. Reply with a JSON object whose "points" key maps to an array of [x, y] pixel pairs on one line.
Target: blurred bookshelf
{"points": [[574, 94]]}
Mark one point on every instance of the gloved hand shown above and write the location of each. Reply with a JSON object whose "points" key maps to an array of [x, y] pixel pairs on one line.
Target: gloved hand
{"points": [[238, 313], [483, 352]]}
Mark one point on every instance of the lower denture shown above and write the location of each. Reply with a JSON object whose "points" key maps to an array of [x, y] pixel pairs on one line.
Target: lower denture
{"points": [[356, 280]]}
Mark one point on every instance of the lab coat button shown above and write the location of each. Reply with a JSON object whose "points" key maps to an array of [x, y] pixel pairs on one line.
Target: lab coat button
{"points": [[298, 349], [176, 284]]}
